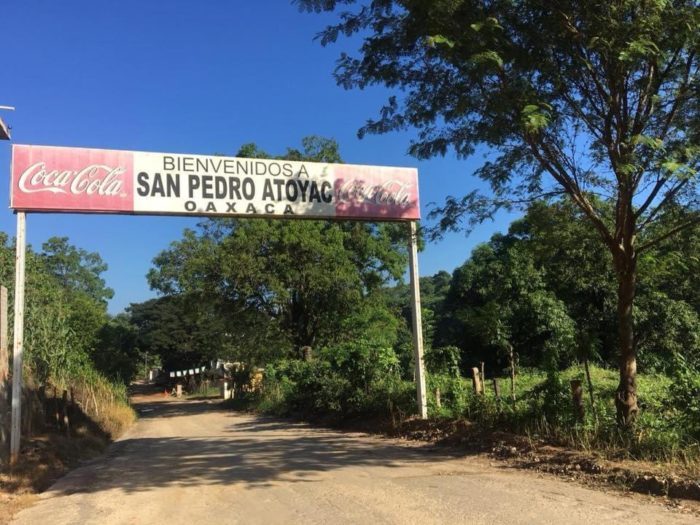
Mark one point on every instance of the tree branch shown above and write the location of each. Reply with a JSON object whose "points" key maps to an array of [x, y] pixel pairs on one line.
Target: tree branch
{"points": [[668, 234], [560, 175], [669, 195]]}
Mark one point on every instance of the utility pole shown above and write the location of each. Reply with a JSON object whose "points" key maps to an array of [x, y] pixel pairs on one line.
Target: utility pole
{"points": [[417, 322], [18, 348], [15, 424]]}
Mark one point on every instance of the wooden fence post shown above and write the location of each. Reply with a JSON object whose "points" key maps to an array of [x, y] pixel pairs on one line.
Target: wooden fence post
{"points": [[56, 409], [577, 396], [306, 353], [66, 419], [496, 389], [476, 382], [511, 360]]}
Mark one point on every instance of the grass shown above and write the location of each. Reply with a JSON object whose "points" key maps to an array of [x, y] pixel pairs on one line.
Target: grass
{"points": [[545, 411], [102, 414]]}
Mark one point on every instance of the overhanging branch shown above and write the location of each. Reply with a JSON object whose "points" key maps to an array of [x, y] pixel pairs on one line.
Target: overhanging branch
{"points": [[668, 234]]}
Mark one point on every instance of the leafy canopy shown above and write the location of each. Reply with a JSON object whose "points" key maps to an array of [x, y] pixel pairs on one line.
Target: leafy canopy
{"points": [[602, 97], [302, 278]]}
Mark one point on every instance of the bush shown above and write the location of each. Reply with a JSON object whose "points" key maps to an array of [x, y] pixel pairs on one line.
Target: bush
{"points": [[455, 394], [343, 387], [685, 398]]}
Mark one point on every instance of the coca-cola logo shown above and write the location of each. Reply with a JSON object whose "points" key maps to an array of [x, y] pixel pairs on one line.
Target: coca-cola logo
{"points": [[389, 193], [95, 179]]}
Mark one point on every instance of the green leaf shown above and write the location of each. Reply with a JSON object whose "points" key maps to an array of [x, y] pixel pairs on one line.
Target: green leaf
{"points": [[436, 40], [488, 57], [489, 23], [639, 49], [654, 143], [534, 119]]}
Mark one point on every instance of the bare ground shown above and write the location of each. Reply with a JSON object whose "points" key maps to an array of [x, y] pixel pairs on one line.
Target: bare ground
{"points": [[187, 462]]}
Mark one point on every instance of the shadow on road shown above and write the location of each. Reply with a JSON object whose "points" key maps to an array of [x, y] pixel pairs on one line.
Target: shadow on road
{"points": [[250, 452], [165, 409]]}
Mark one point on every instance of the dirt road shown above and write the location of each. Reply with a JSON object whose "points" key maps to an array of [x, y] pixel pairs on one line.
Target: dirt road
{"points": [[191, 462]]}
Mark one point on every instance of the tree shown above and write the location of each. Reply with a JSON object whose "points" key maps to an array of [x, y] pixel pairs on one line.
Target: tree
{"points": [[168, 327], [79, 274], [433, 290], [499, 299], [65, 306], [302, 279], [76, 269], [118, 356], [574, 98], [551, 252]]}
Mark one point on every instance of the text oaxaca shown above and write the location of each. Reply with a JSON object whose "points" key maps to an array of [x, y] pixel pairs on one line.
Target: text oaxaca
{"points": [[47, 178]]}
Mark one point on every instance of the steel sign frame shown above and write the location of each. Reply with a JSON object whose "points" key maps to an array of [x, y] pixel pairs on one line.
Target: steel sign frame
{"points": [[57, 179], [52, 179]]}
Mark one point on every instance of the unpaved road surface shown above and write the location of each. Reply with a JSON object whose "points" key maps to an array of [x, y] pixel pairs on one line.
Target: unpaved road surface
{"points": [[193, 463]]}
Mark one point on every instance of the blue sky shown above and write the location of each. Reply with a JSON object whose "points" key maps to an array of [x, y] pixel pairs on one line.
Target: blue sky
{"points": [[189, 77]]}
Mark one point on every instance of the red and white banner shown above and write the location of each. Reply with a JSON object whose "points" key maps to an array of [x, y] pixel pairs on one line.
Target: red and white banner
{"points": [[47, 178]]}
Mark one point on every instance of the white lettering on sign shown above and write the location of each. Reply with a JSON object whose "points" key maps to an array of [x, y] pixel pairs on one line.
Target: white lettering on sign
{"points": [[93, 179], [104, 181]]}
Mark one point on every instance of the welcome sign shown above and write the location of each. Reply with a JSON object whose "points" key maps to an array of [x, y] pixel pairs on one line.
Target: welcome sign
{"points": [[57, 179]]}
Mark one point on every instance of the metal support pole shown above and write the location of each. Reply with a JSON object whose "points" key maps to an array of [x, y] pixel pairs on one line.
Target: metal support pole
{"points": [[4, 374], [417, 323], [18, 339], [4, 355]]}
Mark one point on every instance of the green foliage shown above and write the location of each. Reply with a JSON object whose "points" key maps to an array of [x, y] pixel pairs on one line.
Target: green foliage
{"points": [[685, 398], [284, 284], [304, 276], [443, 360], [65, 306], [76, 270], [590, 94], [433, 290], [544, 288], [118, 356], [456, 395], [347, 379], [64, 333], [336, 389], [362, 361], [572, 99]]}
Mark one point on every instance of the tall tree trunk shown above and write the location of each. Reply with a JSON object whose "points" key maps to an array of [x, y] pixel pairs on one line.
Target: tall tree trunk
{"points": [[626, 396]]}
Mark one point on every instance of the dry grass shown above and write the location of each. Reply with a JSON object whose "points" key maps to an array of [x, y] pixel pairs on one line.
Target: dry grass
{"points": [[115, 419], [44, 458], [103, 416]]}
